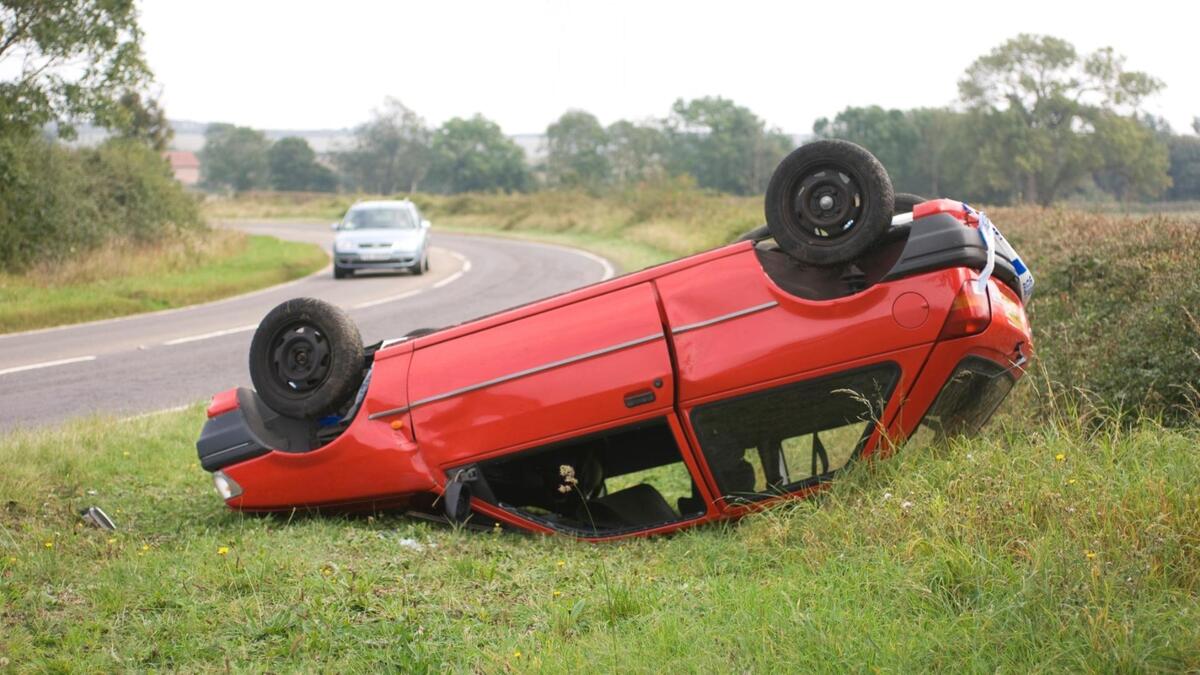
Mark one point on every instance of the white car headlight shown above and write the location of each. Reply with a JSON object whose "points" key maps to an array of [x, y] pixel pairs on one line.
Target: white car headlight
{"points": [[226, 486], [343, 246]]}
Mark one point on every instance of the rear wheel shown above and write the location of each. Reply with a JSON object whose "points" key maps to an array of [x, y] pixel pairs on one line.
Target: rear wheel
{"points": [[306, 358], [828, 202], [905, 201]]}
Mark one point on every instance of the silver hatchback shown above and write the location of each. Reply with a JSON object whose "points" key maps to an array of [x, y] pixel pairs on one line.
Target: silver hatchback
{"points": [[381, 235]]}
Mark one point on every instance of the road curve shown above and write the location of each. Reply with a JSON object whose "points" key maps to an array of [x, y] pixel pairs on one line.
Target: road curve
{"points": [[149, 362]]}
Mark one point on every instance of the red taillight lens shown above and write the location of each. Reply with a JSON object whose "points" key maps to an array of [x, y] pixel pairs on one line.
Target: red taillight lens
{"points": [[970, 313]]}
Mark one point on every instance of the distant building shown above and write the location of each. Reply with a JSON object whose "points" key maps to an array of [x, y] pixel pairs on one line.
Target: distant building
{"points": [[185, 166]]}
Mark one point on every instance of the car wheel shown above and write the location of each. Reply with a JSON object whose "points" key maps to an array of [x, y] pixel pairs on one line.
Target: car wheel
{"points": [[905, 202], [828, 202], [341, 272], [306, 358], [420, 267]]}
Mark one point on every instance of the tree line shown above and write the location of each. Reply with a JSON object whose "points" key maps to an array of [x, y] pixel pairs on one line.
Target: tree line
{"points": [[1036, 121]]}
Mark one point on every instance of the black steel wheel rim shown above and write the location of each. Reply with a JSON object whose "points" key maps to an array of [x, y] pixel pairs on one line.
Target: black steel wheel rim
{"points": [[827, 202], [300, 357]]}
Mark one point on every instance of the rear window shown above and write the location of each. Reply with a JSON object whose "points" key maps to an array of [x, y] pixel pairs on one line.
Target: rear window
{"points": [[783, 439], [967, 400]]}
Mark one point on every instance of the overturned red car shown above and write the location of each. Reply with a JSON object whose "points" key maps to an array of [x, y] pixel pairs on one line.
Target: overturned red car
{"points": [[681, 394]]}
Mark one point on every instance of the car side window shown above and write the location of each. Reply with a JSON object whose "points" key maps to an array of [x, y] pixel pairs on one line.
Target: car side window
{"points": [[621, 480], [789, 437]]}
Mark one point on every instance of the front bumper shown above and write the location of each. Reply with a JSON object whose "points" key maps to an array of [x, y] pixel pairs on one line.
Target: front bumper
{"points": [[377, 260]]}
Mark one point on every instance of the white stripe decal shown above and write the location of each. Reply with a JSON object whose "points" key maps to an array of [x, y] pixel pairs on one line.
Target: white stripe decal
{"points": [[47, 364]]}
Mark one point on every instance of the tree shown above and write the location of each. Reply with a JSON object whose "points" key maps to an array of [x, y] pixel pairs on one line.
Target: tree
{"points": [[293, 167], [143, 120], [576, 151], [1134, 160], [635, 152], [234, 157], [890, 135], [1185, 167], [474, 155], [391, 152], [1041, 102], [67, 61], [723, 145]]}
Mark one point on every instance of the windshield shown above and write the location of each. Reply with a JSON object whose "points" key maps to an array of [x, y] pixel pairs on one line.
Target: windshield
{"points": [[377, 219]]}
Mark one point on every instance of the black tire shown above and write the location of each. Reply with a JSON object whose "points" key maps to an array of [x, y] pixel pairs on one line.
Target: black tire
{"points": [[905, 201], [341, 272], [419, 268], [306, 358], [828, 202]]}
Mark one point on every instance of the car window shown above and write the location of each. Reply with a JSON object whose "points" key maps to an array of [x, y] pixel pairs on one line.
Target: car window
{"points": [[622, 480], [789, 437], [967, 400], [378, 218]]}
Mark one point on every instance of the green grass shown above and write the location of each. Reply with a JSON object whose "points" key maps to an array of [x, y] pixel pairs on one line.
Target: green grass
{"points": [[1049, 550], [118, 280]]}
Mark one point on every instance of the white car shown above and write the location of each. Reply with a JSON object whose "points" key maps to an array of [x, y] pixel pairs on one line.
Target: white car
{"points": [[381, 235]]}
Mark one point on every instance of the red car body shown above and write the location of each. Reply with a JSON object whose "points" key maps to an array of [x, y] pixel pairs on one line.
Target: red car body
{"points": [[676, 362]]}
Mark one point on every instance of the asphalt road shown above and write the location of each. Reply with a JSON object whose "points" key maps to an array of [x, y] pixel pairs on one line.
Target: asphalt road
{"points": [[157, 361]]}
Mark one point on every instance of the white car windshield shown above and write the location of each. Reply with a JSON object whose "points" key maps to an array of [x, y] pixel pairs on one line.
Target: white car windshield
{"points": [[376, 219]]}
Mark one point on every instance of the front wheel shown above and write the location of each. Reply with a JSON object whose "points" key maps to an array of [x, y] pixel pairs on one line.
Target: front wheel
{"points": [[828, 202], [306, 358]]}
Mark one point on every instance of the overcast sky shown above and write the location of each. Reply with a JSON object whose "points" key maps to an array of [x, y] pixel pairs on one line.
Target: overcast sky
{"points": [[301, 64]]}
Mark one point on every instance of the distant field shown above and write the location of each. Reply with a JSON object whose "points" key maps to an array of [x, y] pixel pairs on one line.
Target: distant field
{"points": [[119, 280]]}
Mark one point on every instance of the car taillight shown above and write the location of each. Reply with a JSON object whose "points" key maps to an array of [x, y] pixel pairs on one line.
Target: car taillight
{"points": [[970, 313]]}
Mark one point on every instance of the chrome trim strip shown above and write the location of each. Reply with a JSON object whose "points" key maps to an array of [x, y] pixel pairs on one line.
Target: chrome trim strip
{"points": [[519, 374], [385, 413], [724, 317]]}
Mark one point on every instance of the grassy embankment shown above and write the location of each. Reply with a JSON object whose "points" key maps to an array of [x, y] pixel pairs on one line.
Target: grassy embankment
{"points": [[1060, 548], [118, 279], [1066, 538]]}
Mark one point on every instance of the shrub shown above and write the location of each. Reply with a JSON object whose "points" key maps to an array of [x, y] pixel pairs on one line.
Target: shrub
{"points": [[56, 202]]}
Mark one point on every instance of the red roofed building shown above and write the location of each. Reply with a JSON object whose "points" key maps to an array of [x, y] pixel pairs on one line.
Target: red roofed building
{"points": [[185, 166]]}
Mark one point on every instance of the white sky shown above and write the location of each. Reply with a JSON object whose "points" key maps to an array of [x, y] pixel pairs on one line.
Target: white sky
{"points": [[303, 64]]}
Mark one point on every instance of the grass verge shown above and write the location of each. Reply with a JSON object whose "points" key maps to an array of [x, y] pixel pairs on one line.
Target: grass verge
{"points": [[122, 279], [1058, 549]]}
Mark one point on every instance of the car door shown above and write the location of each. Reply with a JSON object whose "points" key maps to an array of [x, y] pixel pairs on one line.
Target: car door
{"points": [[572, 369], [778, 392]]}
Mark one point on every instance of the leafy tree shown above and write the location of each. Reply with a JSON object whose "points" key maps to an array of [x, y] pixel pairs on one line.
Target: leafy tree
{"points": [[234, 157], [1134, 161], [635, 152], [66, 61], [1039, 102], [293, 167], [391, 152], [474, 155], [144, 120], [1185, 167], [576, 151], [723, 145]]}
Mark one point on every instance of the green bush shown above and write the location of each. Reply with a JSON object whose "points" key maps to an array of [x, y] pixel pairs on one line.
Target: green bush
{"points": [[56, 202]]}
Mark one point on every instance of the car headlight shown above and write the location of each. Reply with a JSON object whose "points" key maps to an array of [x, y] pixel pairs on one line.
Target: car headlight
{"points": [[226, 486], [343, 246]]}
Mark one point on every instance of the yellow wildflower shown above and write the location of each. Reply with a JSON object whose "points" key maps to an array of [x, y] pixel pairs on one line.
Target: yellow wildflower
{"points": [[48, 544], [223, 550], [562, 563], [557, 594], [1091, 555], [1060, 457], [517, 654]]}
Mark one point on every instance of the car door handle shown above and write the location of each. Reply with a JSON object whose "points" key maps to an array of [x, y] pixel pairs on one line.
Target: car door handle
{"points": [[637, 398]]}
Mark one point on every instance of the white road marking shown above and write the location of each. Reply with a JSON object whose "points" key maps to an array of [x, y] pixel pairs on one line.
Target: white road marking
{"points": [[47, 364], [205, 336], [390, 298]]}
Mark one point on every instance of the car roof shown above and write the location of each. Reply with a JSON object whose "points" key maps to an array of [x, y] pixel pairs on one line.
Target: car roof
{"points": [[382, 204]]}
